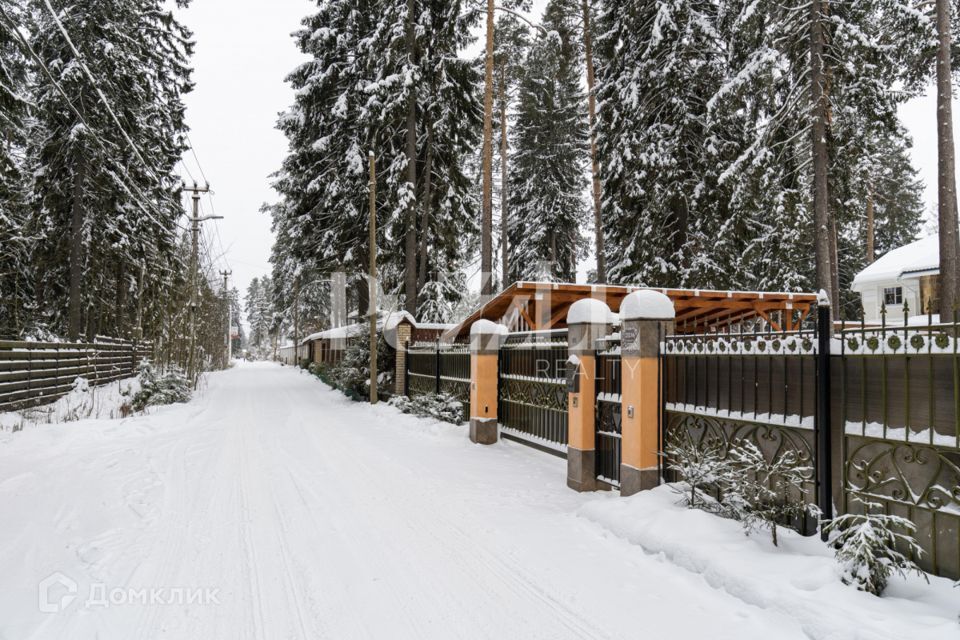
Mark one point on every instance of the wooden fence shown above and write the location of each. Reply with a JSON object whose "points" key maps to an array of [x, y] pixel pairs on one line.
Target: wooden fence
{"points": [[34, 373]]}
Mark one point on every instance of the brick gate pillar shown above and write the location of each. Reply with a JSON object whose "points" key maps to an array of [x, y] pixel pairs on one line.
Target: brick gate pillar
{"points": [[485, 338], [646, 316], [588, 320]]}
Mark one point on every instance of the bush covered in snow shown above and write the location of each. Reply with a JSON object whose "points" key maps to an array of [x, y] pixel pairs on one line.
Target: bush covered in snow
{"points": [[702, 467], [766, 492], [867, 544], [352, 374], [442, 406], [757, 492], [158, 387]]}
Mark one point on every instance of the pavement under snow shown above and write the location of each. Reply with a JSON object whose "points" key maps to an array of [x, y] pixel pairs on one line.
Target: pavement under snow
{"points": [[272, 507]]}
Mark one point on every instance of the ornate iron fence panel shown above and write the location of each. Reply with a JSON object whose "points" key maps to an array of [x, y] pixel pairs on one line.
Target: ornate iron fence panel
{"points": [[899, 397], [895, 419], [608, 414], [750, 387], [532, 398]]}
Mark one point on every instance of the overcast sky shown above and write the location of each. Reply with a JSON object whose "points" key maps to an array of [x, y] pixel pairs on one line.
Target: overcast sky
{"points": [[243, 53]]}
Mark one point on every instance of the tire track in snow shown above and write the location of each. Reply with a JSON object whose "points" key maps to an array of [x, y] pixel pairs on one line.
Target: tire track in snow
{"points": [[466, 550]]}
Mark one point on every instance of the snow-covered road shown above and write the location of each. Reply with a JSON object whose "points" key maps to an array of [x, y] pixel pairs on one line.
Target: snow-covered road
{"points": [[271, 507]]}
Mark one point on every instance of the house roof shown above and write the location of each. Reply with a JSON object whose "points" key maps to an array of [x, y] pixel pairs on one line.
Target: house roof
{"points": [[916, 259], [385, 323], [544, 305]]}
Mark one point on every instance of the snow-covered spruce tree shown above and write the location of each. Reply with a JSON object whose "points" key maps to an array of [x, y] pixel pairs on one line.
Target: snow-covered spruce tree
{"points": [[547, 177], [260, 312], [766, 104], [702, 466], [879, 195], [706, 121], [764, 493], [657, 65], [511, 41], [15, 284], [868, 547], [105, 199], [355, 95], [450, 122]]}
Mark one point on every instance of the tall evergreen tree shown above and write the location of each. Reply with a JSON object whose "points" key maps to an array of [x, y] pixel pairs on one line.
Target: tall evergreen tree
{"points": [[14, 175], [709, 117], [548, 179], [106, 197], [354, 95], [658, 64], [511, 42]]}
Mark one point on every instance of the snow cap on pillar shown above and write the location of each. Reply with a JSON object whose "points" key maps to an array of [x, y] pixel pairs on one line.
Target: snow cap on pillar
{"points": [[588, 320], [485, 336], [589, 311], [647, 304]]}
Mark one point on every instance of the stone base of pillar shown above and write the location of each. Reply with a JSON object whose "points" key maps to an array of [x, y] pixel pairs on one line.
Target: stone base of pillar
{"points": [[483, 430], [581, 469], [633, 480]]}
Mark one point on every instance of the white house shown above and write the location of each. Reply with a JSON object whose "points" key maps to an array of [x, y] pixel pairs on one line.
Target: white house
{"points": [[906, 275]]}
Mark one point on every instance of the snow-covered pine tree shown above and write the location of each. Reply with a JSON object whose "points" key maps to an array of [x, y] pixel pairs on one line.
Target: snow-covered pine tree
{"points": [[547, 178], [15, 284]]}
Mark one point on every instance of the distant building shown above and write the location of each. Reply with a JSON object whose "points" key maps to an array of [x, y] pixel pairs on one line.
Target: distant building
{"points": [[908, 275]]}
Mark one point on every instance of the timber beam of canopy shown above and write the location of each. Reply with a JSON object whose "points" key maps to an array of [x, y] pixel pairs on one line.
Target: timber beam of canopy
{"points": [[539, 306]]}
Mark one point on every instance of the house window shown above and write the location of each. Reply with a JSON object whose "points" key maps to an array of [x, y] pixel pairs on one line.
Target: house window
{"points": [[893, 295]]}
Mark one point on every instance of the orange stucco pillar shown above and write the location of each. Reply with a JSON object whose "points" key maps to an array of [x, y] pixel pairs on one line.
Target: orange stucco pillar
{"points": [[588, 320], [646, 316], [485, 339]]}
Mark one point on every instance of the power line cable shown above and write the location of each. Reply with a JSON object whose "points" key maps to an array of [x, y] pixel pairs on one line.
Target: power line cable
{"points": [[96, 138]]}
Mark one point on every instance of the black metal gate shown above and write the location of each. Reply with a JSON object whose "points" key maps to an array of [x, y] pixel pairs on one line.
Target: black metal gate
{"points": [[608, 415]]}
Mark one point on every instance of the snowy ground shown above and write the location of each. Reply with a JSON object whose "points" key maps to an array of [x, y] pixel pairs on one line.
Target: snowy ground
{"points": [[271, 507]]}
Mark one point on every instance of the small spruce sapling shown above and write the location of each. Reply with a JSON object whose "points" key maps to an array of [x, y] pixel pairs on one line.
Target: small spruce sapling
{"points": [[764, 492], [701, 465], [866, 547]]}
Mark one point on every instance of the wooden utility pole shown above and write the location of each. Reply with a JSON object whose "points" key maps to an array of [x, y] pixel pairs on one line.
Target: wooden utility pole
{"points": [[946, 165], [372, 281], [486, 219], [195, 221], [594, 163], [226, 300]]}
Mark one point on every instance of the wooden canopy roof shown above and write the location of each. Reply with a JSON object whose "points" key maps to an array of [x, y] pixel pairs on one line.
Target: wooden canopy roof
{"points": [[537, 306]]}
